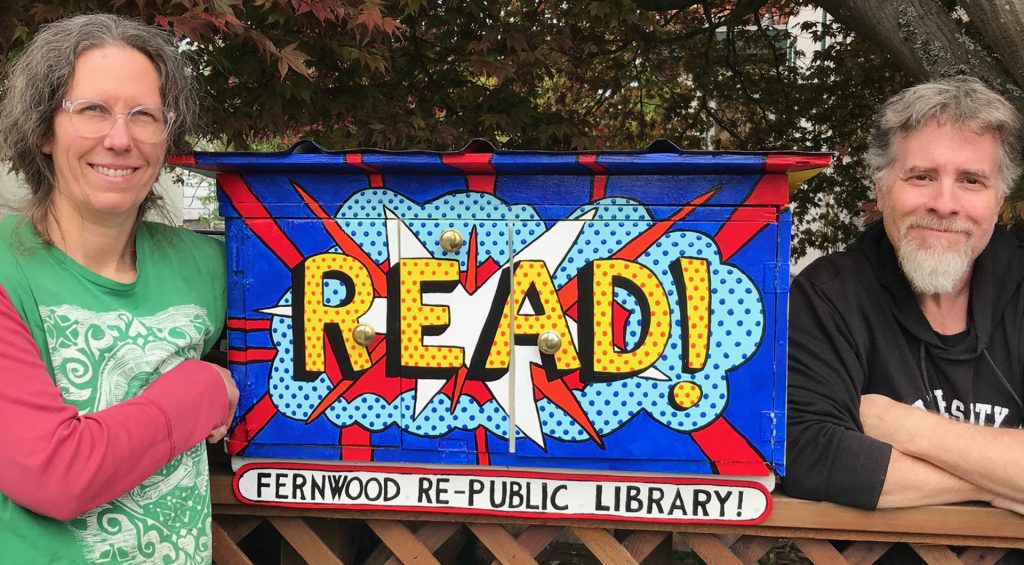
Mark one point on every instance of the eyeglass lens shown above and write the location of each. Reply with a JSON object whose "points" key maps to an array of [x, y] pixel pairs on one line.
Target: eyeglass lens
{"points": [[94, 119]]}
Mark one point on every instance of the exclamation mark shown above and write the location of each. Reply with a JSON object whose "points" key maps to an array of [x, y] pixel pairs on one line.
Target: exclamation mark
{"points": [[739, 504], [693, 274]]}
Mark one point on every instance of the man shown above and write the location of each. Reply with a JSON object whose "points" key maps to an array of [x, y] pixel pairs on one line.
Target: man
{"points": [[906, 351]]}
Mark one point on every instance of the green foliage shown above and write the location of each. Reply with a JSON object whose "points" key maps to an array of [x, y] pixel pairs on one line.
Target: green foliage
{"points": [[253, 56], [609, 74], [837, 95]]}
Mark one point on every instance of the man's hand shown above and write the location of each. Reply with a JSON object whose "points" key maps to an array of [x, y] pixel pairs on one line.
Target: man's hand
{"points": [[219, 432], [1007, 504]]}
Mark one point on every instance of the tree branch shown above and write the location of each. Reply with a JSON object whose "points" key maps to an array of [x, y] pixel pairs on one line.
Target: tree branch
{"points": [[878, 21], [923, 39], [1000, 24]]}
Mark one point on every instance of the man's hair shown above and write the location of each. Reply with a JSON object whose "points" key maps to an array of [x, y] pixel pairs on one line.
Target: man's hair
{"points": [[41, 76], [960, 101]]}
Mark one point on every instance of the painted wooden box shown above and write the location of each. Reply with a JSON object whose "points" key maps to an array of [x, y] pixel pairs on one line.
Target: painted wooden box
{"points": [[613, 311]]}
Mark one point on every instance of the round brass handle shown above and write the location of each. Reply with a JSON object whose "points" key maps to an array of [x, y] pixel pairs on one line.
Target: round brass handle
{"points": [[549, 343], [451, 240], [364, 334]]}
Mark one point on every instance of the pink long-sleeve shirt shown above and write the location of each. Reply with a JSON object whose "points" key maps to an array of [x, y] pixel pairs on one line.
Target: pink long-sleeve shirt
{"points": [[60, 464]]}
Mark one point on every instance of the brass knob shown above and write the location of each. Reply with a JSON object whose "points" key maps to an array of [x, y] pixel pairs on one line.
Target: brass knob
{"points": [[549, 343], [364, 334], [451, 240]]}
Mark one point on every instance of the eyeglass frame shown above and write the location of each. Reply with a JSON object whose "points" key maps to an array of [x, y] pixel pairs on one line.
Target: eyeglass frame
{"points": [[67, 104]]}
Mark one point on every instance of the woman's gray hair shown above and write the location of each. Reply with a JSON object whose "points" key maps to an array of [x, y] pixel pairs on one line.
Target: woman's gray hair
{"points": [[42, 74], [960, 101]]}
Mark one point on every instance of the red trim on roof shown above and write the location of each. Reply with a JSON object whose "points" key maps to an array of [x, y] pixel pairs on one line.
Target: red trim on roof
{"points": [[470, 162], [188, 159], [356, 160], [786, 163], [589, 160]]}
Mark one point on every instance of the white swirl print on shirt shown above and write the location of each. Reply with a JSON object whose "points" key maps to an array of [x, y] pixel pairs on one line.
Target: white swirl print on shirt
{"points": [[100, 359]]}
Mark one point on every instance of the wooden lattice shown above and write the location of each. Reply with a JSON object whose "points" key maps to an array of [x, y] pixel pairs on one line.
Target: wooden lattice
{"points": [[797, 529]]}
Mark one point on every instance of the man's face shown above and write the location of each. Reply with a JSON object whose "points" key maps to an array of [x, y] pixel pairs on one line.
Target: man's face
{"points": [[939, 203]]}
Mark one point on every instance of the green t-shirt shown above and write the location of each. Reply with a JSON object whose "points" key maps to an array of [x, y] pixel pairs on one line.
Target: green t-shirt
{"points": [[103, 342]]}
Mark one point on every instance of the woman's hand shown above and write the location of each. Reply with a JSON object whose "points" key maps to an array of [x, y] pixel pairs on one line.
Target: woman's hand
{"points": [[219, 432]]}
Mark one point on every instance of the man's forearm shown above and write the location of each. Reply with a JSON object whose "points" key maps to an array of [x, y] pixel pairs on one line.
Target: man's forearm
{"points": [[910, 481], [991, 458]]}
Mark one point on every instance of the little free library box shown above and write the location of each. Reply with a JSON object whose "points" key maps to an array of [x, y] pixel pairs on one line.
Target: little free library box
{"points": [[595, 335]]}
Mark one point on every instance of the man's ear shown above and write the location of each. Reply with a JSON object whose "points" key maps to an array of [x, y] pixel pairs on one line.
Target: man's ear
{"points": [[881, 195]]}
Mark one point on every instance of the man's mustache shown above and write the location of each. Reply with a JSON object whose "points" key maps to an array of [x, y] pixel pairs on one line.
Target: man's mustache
{"points": [[937, 223]]}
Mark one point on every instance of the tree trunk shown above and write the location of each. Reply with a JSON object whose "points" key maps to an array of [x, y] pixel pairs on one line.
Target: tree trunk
{"points": [[879, 22], [927, 42], [1001, 23]]}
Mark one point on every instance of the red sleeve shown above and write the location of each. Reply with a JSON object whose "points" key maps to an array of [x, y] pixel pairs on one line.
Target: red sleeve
{"points": [[60, 464]]}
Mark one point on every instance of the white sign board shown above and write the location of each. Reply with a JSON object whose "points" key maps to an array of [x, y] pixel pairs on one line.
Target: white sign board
{"points": [[504, 492]]}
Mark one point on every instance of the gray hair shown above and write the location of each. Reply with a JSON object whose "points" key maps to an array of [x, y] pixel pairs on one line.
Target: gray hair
{"points": [[42, 74], [959, 101]]}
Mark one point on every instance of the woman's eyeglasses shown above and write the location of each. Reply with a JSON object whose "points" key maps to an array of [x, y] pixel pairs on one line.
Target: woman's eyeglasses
{"points": [[92, 118]]}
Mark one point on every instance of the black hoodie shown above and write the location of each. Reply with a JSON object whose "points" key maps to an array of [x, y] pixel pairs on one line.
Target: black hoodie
{"points": [[856, 328]]}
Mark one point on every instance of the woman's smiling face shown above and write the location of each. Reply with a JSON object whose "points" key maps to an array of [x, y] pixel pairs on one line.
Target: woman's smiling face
{"points": [[106, 178]]}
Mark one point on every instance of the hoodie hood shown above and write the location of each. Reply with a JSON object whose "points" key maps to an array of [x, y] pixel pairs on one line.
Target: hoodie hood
{"points": [[988, 301]]}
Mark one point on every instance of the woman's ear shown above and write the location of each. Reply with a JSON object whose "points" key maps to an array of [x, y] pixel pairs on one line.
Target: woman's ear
{"points": [[47, 147]]}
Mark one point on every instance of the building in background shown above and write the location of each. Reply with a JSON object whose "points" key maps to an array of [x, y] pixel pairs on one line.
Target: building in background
{"points": [[13, 194]]}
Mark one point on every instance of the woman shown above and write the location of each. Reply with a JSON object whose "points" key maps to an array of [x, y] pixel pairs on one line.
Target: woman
{"points": [[103, 317]]}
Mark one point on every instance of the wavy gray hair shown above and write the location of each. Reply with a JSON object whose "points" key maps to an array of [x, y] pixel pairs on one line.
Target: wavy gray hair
{"points": [[960, 101], [41, 75]]}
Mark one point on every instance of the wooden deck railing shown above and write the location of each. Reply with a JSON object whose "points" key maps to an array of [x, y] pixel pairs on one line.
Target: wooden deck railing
{"points": [[976, 534]]}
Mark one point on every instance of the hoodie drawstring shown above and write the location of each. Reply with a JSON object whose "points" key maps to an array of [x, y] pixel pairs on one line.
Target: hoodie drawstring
{"points": [[933, 406], [1003, 380]]}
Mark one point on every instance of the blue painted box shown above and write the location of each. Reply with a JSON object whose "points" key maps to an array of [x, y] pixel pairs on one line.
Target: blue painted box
{"points": [[609, 310]]}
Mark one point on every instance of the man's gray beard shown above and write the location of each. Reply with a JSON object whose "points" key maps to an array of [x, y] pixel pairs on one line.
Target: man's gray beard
{"points": [[934, 267]]}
